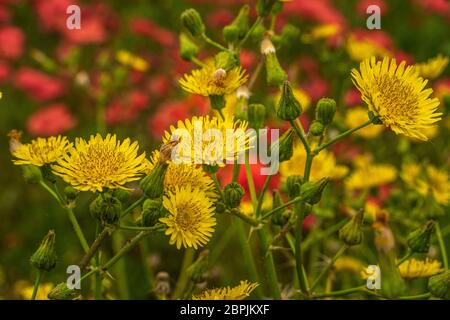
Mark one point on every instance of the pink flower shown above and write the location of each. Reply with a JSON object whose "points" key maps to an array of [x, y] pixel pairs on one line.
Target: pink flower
{"points": [[219, 18], [437, 6], [352, 97], [52, 120], [5, 71], [11, 42], [38, 85], [92, 31], [321, 11], [127, 109]]}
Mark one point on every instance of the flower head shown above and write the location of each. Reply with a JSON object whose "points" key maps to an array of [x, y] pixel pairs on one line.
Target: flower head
{"points": [[396, 95], [368, 175], [101, 163], [41, 151], [413, 268], [210, 81], [239, 292], [433, 67], [190, 222]]}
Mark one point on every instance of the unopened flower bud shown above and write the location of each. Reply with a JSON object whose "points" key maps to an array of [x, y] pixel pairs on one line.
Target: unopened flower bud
{"points": [[289, 35], [197, 271], [151, 212], [71, 193], [374, 118], [239, 27], [275, 74], [288, 107], [316, 128], [153, 184], [352, 233], [325, 110], [233, 194], [31, 174], [439, 285], [419, 240], [44, 258], [210, 169], [231, 33], [293, 185], [264, 7], [217, 102], [278, 217], [62, 292], [258, 33], [192, 21], [224, 61], [256, 115], [106, 208], [122, 195], [188, 49], [311, 191], [284, 146]]}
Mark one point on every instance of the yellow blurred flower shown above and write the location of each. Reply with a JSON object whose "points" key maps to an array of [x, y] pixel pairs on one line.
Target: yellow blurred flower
{"points": [[360, 50], [368, 175], [397, 96], [433, 67], [350, 264], [240, 292], [246, 207], [41, 151], [25, 290], [210, 81], [190, 221], [101, 163], [413, 268], [357, 116], [128, 59], [324, 165], [323, 31]]}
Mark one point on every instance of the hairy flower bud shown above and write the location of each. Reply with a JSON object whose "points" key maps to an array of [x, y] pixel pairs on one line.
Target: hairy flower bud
{"points": [[233, 194], [106, 208], [44, 258], [352, 234], [239, 27], [325, 110], [419, 240], [439, 285], [264, 7], [311, 191], [284, 146], [71, 193], [288, 107], [256, 115], [275, 74], [316, 128], [192, 21], [293, 185], [153, 184], [188, 49], [151, 212], [62, 292]]}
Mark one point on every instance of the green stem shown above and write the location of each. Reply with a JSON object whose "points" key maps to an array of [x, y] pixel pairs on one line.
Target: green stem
{"points": [[36, 284], [340, 252], [217, 184], [183, 278], [442, 245], [261, 195], [136, 204], [245, 218], [341, 136], [236, 169], [255, 74], [315, 237], [250, 31], [301, 134], [416, 297], [77, 229], [340, 293], [100, 237], [121, 268], [214, 43], [158, 227], [125, 249], [405, 257], [298, 251], [51, 191], [98, 278], [287, 204], [198, 62], [250, 182]]}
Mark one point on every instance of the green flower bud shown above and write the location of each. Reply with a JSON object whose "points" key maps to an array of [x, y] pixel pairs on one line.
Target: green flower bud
{"points": [[279, 217], [419, 240], [231, 33], [225, 60], [217, 102], [153, 184], [62, 292], [122, 195], [325, 110], [352, 233], [192, 21], [264, 7], [233, 194], [316, 128], [106, 208], [71, 193], [188, 48], [311, 191], [289, 35], [293, 185], [47, 173], [220, 207], [439, 285], [197, 271], [44, 258], [256, 115], [288, 107], [275, 74], [210, 169], [31, 174], [239, 27], [151, 213], [258, 33], [284, 146]]}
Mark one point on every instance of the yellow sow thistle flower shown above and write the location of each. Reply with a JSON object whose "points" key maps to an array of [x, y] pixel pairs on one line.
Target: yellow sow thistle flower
{"points": [[41, 151], [396, 95], [128, 59], [240, 292], [324, 165], [369, 176], [357, 116], [412, 268], [190, 222], [101, 163], [433, 67], [210, 81]]}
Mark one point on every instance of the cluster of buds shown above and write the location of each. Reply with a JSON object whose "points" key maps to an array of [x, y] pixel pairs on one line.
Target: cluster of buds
{"points": [[325, 110]]}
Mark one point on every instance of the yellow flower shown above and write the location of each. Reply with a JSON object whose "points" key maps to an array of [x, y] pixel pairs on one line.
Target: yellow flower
{"points": [[349, 264], [210, 81], [324, 165], [239, 292], [359, 50], [357, 116], [41, 151], [368, 175], [25, 290], [413, 268], [101, 163], [183, 175], [323, 31], [128, 59], [205, 140], [190, 222], [395, 94], [433, 67]]}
